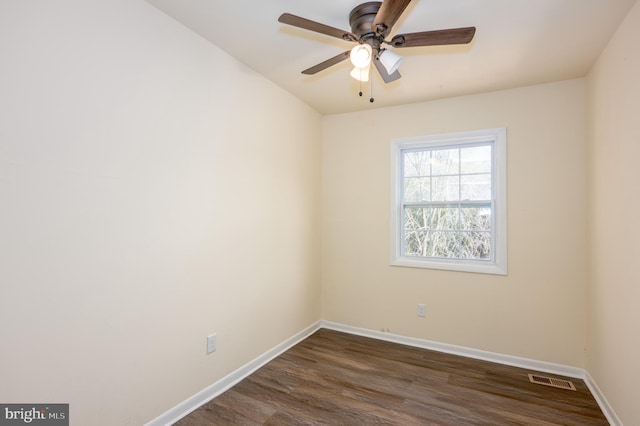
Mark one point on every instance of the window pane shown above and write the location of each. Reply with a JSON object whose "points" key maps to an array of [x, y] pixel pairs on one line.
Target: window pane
{"points": [[445, 244], [475, 219], [416, 218], [417, 189], [475, 245], [445, 219], [445, 162], [475, 160], [416, 243], [475, 187], [446, 188], [416, 163]]}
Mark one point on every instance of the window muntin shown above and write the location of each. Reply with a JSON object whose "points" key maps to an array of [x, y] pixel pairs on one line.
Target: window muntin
{"points": [[449, 202]]}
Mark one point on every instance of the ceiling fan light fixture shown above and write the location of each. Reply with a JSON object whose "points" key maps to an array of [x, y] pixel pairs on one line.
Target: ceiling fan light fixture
{"points": [[360, 74], [371, 24], [361, 56], [390, 61]]}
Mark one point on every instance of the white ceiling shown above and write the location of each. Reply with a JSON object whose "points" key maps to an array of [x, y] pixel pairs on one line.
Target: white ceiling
{"points": [[517, 43]]}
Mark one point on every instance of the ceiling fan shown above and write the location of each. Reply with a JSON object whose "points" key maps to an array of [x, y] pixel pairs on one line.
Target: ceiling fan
{"points": [[371, 24]]}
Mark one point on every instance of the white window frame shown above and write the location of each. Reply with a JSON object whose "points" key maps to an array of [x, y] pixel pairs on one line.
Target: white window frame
{"points": [[497, 265]]}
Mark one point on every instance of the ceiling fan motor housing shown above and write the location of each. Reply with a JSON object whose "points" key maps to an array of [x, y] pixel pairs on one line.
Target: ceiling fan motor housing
{"points": [[361, 20]]}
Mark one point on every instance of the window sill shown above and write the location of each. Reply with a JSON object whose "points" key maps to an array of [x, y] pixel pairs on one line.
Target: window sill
{"points": [[479, 267]]}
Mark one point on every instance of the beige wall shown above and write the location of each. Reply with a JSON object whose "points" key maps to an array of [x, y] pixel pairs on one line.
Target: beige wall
{"points": [[538, 310], [152, 191], [614, 210]]}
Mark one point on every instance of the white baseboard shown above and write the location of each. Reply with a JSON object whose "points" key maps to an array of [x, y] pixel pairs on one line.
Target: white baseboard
{"points": [[219, 387], [606, 408], [206, 395], [547, 367]]}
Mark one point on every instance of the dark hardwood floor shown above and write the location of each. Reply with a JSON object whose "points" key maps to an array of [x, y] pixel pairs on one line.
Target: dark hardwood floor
{"points": [[333, 378]]}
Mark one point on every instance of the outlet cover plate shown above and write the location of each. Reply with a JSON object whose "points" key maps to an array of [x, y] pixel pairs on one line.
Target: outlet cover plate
{"points": [[422, 310], [211, 343]]}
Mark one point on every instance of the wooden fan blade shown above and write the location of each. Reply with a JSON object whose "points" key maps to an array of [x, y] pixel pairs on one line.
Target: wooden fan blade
{"points": [[306, 24], [388, 15], [435, 38], [326, 64], [388, 78]]}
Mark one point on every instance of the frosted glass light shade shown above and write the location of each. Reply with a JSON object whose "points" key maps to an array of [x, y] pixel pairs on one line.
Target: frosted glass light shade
{"points": [[390, 61], [361, 55], [361, 74]]}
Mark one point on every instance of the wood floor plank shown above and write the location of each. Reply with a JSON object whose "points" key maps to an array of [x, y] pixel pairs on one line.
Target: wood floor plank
{"points": [[334, 378]]}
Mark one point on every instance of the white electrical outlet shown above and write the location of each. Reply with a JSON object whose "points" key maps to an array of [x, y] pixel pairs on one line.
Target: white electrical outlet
{"points": [[422, 310], [211, 343]]}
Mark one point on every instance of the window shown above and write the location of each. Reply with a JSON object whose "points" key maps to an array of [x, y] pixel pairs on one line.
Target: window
{"points": [[449, 202]]}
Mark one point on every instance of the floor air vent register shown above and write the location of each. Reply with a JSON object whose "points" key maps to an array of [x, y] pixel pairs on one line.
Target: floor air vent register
{"points": [[551, 381]]}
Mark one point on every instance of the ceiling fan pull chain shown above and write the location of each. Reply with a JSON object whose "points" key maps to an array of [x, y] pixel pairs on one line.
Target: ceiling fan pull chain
{"points": [[360, 81], [371, 99]]}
